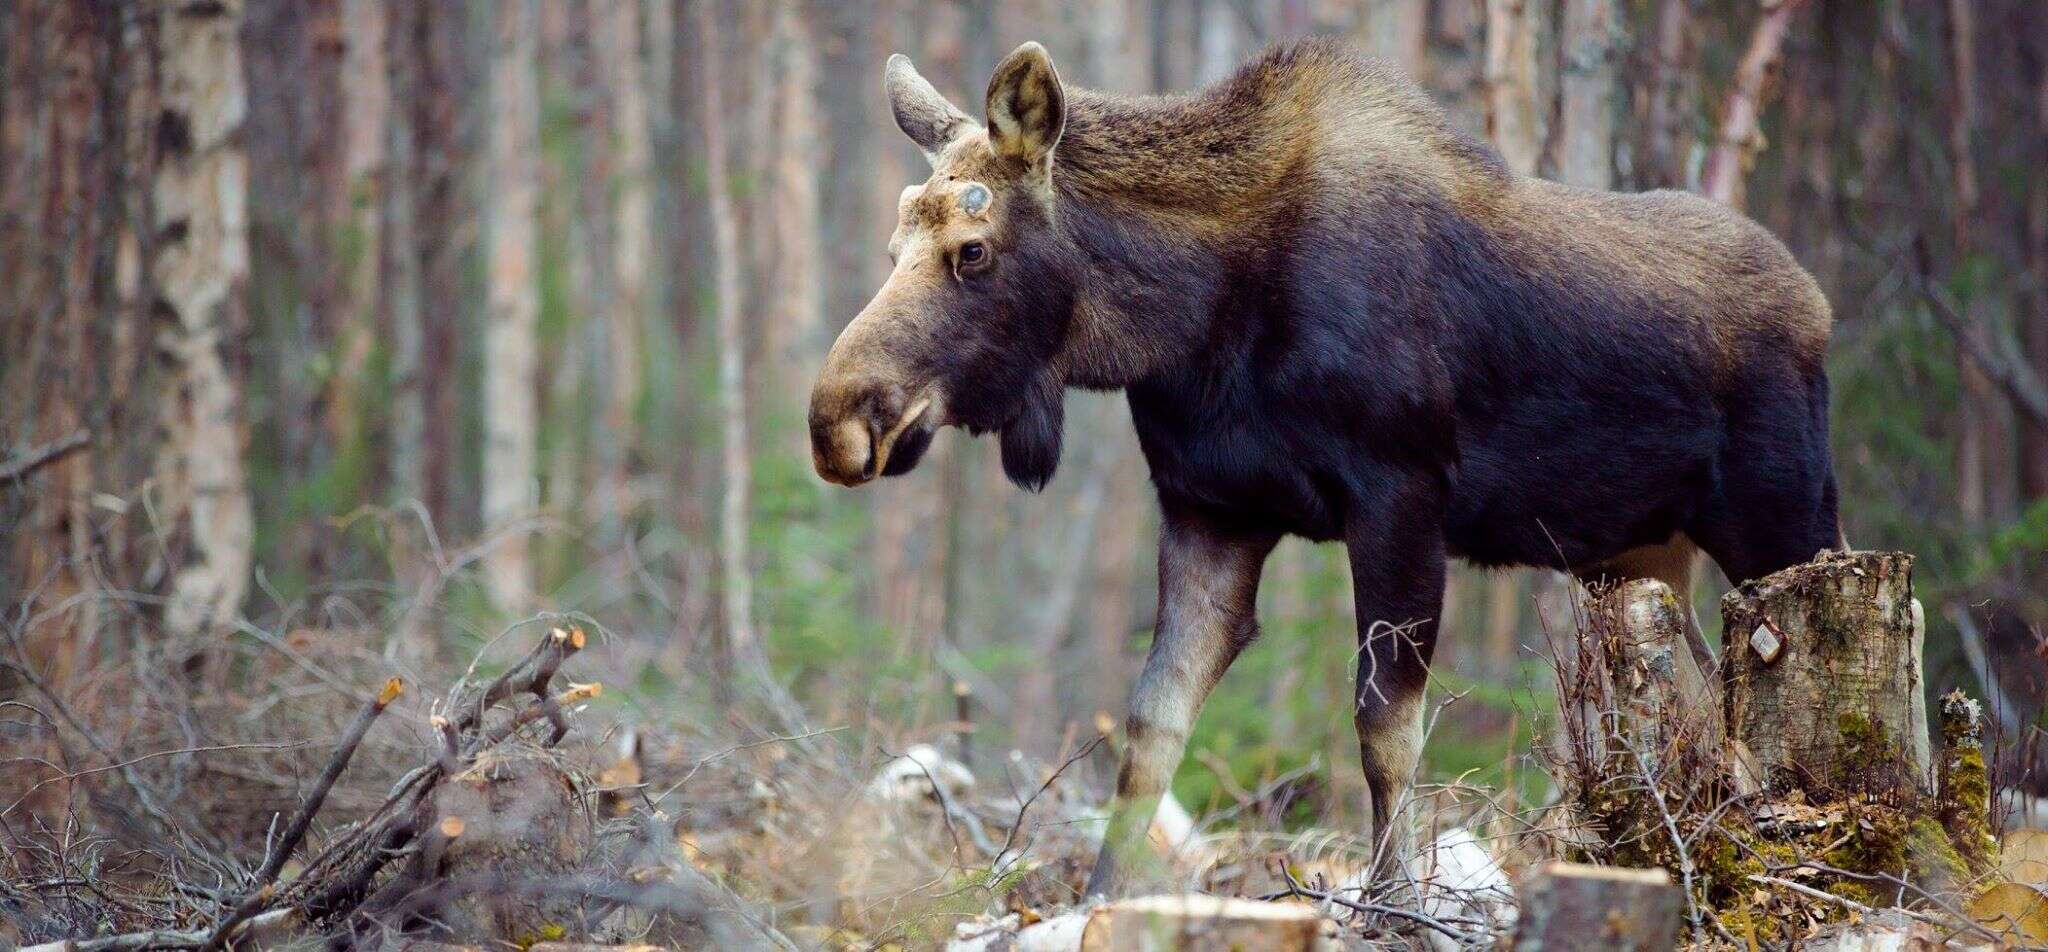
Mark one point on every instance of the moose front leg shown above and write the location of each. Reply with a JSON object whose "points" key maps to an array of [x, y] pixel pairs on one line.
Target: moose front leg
{"points": [[1396, 547], [1208, 581]]}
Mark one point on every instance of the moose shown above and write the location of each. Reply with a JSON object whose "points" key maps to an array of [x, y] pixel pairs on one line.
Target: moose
{"points": [[1335, 316]]}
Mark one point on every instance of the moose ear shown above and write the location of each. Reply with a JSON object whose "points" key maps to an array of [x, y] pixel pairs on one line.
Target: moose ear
{"points": [[923, 115], [1026, 106]]}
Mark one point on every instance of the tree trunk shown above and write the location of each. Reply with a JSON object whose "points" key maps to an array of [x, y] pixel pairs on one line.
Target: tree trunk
{"points": [[1979, 431], [1581, 147], [441, 151], [1662, 97], [2034, 327], [365, 87], [1727, 163], [1512, 121], [632, 248], [741, 644], [510, 362], [201, 267], [1641, 721], [1396, 31], [1504, 599], [1821, 668], [794, 341], [402, 196]]}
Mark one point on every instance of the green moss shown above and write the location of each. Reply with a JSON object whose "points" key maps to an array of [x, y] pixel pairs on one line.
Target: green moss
{"points": [[1965, 786]]}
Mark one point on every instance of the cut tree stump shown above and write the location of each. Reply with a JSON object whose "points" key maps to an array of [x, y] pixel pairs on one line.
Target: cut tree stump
{"points": [[1657, 703], [1568, 907], [1822, 679], [1199, 923], [1644, 722]]}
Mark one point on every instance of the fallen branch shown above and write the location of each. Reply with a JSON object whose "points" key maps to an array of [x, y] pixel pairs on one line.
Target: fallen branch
{"points": [[295, 832], [40, 456], [268, 925], [2028, 391]]}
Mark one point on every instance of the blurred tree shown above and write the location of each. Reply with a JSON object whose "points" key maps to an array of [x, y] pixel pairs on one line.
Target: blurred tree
{"points": [[201, 266], [511, 418]]}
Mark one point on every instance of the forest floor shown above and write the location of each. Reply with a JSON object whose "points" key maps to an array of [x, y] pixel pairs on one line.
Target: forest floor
{"points": [[279, 793]]}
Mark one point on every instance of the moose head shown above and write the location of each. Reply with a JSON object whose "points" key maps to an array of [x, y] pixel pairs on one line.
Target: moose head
{"points": [[969, 328]]}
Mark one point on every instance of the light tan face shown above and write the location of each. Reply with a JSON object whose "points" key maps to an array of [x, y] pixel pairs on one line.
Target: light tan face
{"points": [[938, 343]]}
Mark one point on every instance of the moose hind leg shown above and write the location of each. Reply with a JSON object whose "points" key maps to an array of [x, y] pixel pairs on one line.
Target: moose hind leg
{"points": [[1389, 721], [1396, 547], [1208, 582]]}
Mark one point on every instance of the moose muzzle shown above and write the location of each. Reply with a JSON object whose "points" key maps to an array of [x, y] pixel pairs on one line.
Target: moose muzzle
{"points": [[863, 427]]}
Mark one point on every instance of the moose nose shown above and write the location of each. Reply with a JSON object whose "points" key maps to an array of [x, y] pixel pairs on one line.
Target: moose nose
{"points": [[852, 424]]}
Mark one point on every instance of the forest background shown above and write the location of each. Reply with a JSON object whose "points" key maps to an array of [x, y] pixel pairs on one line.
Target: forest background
{"points": [[379, 325]]}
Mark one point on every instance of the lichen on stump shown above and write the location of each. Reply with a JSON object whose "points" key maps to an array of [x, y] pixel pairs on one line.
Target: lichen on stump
{"points": [[1821, 675]]}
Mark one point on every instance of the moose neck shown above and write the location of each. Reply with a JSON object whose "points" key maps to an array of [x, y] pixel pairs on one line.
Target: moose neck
{"points": [[1162, 197]]}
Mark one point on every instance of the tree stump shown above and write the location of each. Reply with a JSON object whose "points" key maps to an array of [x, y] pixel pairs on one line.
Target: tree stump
{"points": [[512, 816], [1644, 721], [1822, 680], [1567, 907]]}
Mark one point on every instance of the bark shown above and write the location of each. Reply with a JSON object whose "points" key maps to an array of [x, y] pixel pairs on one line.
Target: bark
{"points": [[1645, 721], [1039, 711], [403, 197], [1112, 604], [1581, 147], [1980, 429], [365, 86], [437, 118], [2034, 321], [1663, 96], [201, 266], [1397, 31], [510, 362], [632, 246], [794, 340], [1567, 907], [852, 222], [1457, 60], [1512, 120], [1738, 138], [741, 644], [53, 181], [1821, 668]]}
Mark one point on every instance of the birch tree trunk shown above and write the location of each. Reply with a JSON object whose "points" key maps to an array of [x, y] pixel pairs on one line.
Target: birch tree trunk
{"points": [[510, 363], [1663, 80], [1978, 430], [1397, 31], [1582, 143], [1512, 120], [402, 197], [365, 87], [738, 587], [201, 267], [1727, 163], [632, 247]]}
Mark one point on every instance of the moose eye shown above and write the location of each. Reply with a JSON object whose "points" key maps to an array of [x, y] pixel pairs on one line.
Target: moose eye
{"points": [[972, 253]]}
